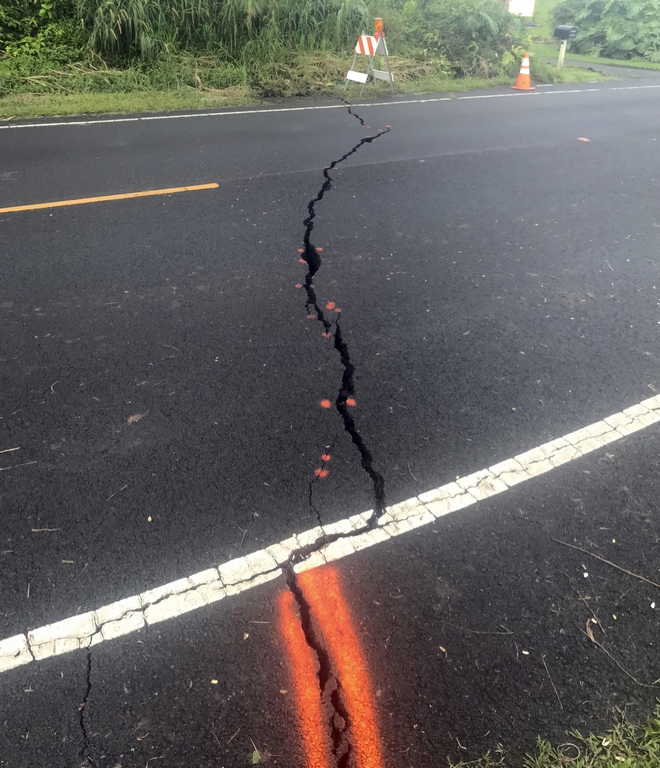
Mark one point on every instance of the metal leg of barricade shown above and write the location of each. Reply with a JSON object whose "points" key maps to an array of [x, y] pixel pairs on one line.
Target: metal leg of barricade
{"points": [[352, 67]]}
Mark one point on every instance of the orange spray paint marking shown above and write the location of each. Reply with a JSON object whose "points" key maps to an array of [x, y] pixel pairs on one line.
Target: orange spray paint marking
{"points": [[302, 261], [326, 457], [337, 310], [322, 590], [351, 401], [330, 305], [298, 285], [319, 249], [304, 673], [300, 250], [326, 334], [321, 472], [311, 317], [325, 404]]}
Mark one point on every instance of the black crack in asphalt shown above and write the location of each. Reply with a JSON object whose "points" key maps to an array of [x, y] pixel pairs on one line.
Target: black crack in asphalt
{"points": [[84, 750], [332, 328], [329, 684]]}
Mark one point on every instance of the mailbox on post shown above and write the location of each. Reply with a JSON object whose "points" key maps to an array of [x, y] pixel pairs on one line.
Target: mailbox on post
{"points": [[564, 33]]}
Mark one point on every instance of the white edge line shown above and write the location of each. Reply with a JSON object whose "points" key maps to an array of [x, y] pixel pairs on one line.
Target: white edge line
{"points": [[184, 595], [228, 113]]}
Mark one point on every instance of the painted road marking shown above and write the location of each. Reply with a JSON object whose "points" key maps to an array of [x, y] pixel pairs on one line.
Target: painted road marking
{"points": [[236, 576], [304, 673], [146, 118], [106, 198], [322, 591]]}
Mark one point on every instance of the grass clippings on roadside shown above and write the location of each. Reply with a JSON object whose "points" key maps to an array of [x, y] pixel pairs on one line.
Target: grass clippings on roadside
{"points": [[625, 746]]}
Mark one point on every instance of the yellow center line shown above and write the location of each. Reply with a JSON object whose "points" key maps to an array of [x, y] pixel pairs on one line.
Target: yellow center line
{"points": [[105, 198]]}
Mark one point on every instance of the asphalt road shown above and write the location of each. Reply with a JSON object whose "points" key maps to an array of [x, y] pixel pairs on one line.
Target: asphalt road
{"points": [[161, 378]]}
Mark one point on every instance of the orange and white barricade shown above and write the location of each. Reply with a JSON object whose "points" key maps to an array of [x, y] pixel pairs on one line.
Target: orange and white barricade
{"points": [[371, 46]]}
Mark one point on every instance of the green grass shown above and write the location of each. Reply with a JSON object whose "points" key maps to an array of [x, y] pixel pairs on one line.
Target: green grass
{"points": [[551, 49], [625, 746], [318, 74], [27, 105], [543, 20]]}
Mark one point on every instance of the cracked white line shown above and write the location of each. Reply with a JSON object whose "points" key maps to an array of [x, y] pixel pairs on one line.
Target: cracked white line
{"points": [[206, 587]]}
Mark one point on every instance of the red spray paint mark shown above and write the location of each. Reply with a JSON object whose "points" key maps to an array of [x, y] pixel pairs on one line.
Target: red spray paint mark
{"points": [[322, 591], [325, 404], [321, 472], [330, 305], [304, 673], [351, 401]]}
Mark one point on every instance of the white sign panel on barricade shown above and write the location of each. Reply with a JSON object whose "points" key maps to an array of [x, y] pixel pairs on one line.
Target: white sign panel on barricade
{"points": [[522, 7]]}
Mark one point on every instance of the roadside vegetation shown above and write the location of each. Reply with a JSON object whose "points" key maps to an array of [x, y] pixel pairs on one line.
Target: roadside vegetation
{"points": [[625, 746], [69, 56], [617, 32]]}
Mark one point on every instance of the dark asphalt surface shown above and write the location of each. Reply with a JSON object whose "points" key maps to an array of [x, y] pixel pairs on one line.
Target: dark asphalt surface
{"points": [[497, 281]]}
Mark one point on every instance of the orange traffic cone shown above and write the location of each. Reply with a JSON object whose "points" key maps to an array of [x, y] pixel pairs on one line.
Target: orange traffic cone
{"points": [[523, 83]]}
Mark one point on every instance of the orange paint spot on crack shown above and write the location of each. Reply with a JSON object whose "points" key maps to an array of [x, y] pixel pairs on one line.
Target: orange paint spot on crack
{"points": [[304, 673], [325, 404], [326, 457], [321, 589], [351, 401], [330, 305], [321, 472], [298, 285]]}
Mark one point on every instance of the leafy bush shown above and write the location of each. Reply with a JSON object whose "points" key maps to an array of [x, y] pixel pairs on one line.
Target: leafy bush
{"points": [[478, 38], [617, 29]]}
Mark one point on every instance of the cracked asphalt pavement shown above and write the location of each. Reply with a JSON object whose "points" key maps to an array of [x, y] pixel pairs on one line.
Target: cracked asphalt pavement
{"points": [[363, 311]]}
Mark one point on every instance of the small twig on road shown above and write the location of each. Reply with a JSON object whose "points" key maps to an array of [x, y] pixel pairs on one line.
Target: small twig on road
{"points": [[243, 531], [27, 464], [411, 473], [44, 530], [112, 495], [52, 385], [477, 631], [234, 736], [584, 600], [9, 450], [608, 562], [609, 265], [554, 688], [216, 738], [623, 669]]}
